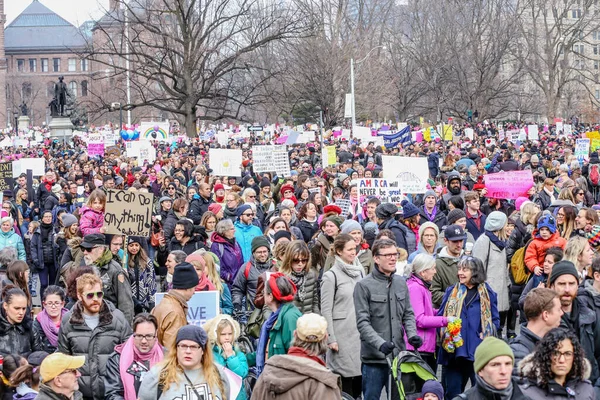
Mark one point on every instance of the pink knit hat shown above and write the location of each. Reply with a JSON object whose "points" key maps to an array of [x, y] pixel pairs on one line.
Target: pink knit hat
{"points": [[215, 208], [520, 201]]}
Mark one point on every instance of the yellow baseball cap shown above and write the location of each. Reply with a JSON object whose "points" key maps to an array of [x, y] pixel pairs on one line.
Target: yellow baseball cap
{"points": [[57, 363]]}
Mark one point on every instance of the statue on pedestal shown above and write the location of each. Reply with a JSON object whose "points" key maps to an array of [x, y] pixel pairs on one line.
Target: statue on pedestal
{"points": [[24, 109], [59, 102]]}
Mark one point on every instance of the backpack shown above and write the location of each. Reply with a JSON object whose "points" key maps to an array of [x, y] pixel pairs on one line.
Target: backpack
{"points": [[594, 175], [518, 269]]}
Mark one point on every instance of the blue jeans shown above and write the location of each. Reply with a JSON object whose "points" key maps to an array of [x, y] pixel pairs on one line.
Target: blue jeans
{"points": [[374, 378], [455, 376]]}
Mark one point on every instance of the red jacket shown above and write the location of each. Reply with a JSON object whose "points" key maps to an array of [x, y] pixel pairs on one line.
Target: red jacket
{"points": [[536, 251]]}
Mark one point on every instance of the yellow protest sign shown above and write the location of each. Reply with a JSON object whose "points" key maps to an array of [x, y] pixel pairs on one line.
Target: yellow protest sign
{"points": [[447, 132], [595, 144], [592, 135], [421, 121], [427, 134]]}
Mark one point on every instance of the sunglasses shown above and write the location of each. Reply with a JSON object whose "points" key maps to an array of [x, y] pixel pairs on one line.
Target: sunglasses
{"points": [[249, 215], [91, 295], [88, 250]]}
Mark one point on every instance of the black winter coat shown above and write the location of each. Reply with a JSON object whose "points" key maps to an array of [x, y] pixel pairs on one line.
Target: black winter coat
{"points": [[403, 236], [522, 346], [17, 338], [308, 229], [440, 218], [113, 383], [169, 224], [517, 239], [198, 206], [40, 340], [37, 250], [77, 339], [479, 393]]}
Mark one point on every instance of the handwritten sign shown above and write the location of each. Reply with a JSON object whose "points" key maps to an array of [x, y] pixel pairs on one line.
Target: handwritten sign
{"points": [[386, 191], [345, 205], [128, 213], [411, 172], [95, 145], [533, 132], [6, 176], [508, 185], [328, 156], [582, 149], [201, 307], [595, 144], [225, 162], [271, 158]]}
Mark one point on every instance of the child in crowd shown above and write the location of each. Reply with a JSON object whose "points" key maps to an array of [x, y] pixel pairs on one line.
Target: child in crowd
{"points": [[432, 390], [545, 237], [92, 214]]}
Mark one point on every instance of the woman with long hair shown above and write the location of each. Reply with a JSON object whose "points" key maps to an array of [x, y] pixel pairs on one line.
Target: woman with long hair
{"points": [[363, 253], [141, 275], [188, 367], [337, 306], [277, 224], [24, 207], [579, 252], [565, 221], [47, 323], [209, 223], [308, 220], [329, 227], [43, 251], [26, 382], [212, 271], [16, 335], [17, 275], [296, 265], [177, 213], [69, 230], [557, 369], [228, 250]]}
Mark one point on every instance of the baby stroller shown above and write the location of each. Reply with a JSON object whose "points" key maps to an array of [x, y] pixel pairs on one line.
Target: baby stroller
{"points": [[410, 372]]}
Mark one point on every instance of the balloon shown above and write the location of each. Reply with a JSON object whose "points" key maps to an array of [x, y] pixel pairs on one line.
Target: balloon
{"points": [[156, 128], [125, 135]]}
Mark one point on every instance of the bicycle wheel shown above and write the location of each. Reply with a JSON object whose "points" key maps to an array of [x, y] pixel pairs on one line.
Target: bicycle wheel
{"points": [[346, 396], [246, 344]]}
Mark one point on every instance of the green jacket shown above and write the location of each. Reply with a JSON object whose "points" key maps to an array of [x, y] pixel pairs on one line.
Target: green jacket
{"points": [[282, 333], [446, 276]]}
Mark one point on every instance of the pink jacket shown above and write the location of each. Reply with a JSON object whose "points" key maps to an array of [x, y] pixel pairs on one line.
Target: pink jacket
{"points": [[91, 221], [427, 321]]}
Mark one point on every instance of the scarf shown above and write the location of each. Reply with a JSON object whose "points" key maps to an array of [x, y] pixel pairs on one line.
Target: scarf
{"points": [[204, 284], [45, 230], [129, 354], [413, 227], [262, 341], [300, 352], [501, 394], [431, 216], [501, 244], [352, 270], [50, 329], [455, 303]]}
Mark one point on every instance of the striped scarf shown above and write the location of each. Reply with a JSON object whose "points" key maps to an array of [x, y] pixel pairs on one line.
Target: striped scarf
{"points": [[455, 303]]}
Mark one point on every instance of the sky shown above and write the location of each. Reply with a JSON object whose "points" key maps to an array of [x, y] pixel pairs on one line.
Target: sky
{"points": [[74, 11]]}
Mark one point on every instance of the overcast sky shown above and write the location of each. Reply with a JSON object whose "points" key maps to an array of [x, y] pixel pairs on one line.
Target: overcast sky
{"points": [[74, 11]]}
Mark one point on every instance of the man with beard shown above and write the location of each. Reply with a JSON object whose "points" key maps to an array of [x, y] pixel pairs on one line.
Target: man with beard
{"points": [[92, 329], [578, 317], [454, 187], [117, 289], [59, 374]]}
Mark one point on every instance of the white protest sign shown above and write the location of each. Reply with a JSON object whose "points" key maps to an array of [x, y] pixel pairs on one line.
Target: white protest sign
{"points": [[292, 137], [522, 135], [411, 172], [225, 162], [222, 138], [36, 165], [559, 127], [469, 133], [306, 137], [384, 190], [567, 130], [362, 132], [271, 158], [345, 205], [582, 149], [533, 132]]}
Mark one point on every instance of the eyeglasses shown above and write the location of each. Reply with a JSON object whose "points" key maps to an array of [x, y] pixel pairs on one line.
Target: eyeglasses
{"points": [[191, 347], [390, 255], [300, 260], [556, 355], [69, 371], [53, 304], [144, 337], [91, 295], [251, 197]]}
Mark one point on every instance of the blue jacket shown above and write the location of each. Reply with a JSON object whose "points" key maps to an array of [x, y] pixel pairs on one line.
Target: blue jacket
{"points": [[238, 364], [225, 302], [11, 239], [244, 235], [471, 325]]}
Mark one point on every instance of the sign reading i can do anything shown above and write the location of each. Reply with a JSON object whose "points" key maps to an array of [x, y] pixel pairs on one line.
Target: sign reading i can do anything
{"points": [[128, 213]]}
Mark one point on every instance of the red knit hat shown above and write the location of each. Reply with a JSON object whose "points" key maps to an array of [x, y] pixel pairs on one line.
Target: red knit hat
{"points": [[479, 185], [332, 208], [215, 208], [285, 188], [218, 186]]}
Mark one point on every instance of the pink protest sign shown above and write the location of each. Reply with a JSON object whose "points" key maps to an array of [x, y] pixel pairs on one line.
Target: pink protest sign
{"points": [[508, 185], [95, 145]]}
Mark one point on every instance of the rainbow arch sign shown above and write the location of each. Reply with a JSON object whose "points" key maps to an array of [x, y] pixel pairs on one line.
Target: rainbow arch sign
{"points": [[154, 131]]}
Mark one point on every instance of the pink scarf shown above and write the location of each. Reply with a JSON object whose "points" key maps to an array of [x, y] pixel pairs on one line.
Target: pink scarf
{"points": [[129, 354]]}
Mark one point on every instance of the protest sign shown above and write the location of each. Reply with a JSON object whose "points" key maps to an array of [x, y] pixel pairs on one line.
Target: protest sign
{"points": [[411, 172], [292, 137], [6, 176], [201, 307], [158, 131], [384, 190], [110, 137], [403, 136], [595, 144], [306, 137], [567, 129], [533, 132], [112, 151], [469, 133], [593, 135], [36, 165], [328, 156], [225, 162], [362, 132], [271, 159], [222, 138], [128, 213], [582, 149], [508, 185], [345, 205], [95, 145]]}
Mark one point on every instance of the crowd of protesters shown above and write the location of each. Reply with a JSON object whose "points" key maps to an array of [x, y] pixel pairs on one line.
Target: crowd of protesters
{"points": [[326, 296]]}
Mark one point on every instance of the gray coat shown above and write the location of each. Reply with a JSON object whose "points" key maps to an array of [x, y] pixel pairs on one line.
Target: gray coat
{"points": [[382, 307], [496, 268], [337, 306], [77, 339]]}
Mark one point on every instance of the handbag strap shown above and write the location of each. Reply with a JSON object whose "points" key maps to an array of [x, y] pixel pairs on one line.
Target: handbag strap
{"points": [[193, 387]]}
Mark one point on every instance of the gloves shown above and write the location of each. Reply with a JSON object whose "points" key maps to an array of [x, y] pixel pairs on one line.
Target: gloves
{"points": [[415, 341], [387, 348]]}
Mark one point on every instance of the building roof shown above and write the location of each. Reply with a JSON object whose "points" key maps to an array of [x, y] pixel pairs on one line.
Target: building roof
{"points": [[39, 29]]}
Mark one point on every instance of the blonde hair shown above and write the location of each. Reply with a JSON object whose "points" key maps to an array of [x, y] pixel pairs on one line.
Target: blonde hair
{"points": [[211, 270], [575, 246], [528, 212], [171, 371], [18, 198]]}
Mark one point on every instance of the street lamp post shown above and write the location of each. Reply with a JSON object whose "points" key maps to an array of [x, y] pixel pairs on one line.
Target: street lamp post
{"points": [[353, 104]]}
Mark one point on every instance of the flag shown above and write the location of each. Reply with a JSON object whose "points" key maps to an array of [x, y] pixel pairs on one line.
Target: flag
{"points": [[402, 137]]}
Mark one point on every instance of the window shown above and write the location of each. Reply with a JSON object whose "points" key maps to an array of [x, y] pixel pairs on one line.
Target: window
{"points": [[72, 65], [32, 65], [597, 94], [56, 65], [84, 88], [596, 64], [73, 88], [44, 65], [578, 48], [595, 47], [21, 65], [84, 65], [26, 91], [575, 14]]}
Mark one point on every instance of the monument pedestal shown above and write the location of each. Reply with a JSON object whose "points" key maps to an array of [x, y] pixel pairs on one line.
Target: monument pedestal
{"points": [[23, 123], [61, 128]]}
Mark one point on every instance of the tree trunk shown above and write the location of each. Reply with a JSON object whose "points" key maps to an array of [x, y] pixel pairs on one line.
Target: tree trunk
{"points": [[190, 121]]}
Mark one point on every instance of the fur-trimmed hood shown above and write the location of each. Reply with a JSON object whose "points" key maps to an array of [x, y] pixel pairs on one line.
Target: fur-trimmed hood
{"points": [[210, 327], [526, 365]]}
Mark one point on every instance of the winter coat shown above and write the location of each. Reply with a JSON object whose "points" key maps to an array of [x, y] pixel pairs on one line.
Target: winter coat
{"points": [[378, 299], [50, 202], [517, 239], [37, 250], [77, 339], [91, 220], [307, 295], [40, 340], [113, 383], [496, 269], [143, 286], [522, 345], [115, 284], [581, 389], [337, 307], [16, 338], [169, 223], [536, 251], [405, 238], [230, 258], [319, 253], [46, 393], [478, 392], [471, 325], [198, 206], [591, 298], [425, 316], [171, 314], [472, 224], [365, 256], [308, 229], [244, 288], [244, 235], [439, 219], [543, 199], [195, 243], [290, 377], [445, 276], [237, 363], [11, 239]]}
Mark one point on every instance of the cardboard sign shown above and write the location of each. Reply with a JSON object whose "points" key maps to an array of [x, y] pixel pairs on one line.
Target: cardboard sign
{"points": [[271, 159], [508, 185], [384, 190], [6, 176], [225, 162], [128, 213], [582, 149], [411, 172], [201, 307], [328, 156], [112, 151]]}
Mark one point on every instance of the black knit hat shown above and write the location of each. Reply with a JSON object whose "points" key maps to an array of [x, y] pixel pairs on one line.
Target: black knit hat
{"points": [[281, 234], [562, 268], [260, 241], [185, 276], [386, 210], [455, 215]]}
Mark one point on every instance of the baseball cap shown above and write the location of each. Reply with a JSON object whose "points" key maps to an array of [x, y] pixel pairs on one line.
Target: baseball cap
{"points": [[311, 328], [454, 233], [57, 363]]}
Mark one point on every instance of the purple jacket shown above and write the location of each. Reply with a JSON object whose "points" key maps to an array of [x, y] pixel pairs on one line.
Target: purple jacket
{"points": [[91, 221], [427, 321], [230, 256]]}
